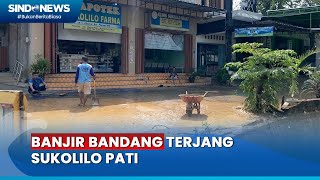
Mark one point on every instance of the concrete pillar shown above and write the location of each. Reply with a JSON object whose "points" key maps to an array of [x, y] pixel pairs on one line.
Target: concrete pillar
{"points": [[24, 45], [134, 18], [36, 41], [193, 32], [19, 45], [229, 29], [12, 45]]}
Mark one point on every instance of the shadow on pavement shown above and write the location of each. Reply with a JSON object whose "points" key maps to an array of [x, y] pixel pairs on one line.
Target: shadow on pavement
{"points": [[195, 117]]}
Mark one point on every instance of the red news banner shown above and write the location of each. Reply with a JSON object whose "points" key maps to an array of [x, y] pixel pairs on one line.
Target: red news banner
{"points": [[105, 143]]}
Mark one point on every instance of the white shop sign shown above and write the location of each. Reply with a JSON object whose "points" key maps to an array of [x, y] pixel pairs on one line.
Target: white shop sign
{"points": [[164, 41]]}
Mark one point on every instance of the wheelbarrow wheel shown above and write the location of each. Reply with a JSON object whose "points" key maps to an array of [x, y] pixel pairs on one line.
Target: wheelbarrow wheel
{"points": [[198, 108], [189, 112]]}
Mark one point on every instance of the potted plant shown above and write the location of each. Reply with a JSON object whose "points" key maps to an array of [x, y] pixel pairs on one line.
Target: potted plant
{"points": [[41, 65], [192, 77]]}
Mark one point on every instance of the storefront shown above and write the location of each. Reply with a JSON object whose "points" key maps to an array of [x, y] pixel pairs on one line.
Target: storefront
{"points": [[274, 38], [164, 42], [210, 53], [96, 35], [163, 50]]}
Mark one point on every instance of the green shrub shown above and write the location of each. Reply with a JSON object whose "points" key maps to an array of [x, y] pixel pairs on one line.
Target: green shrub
{"points": [[312, 85], [222, 76], [192, 77], [41, 65]]}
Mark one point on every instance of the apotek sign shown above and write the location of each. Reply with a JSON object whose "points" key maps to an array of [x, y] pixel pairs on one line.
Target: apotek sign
{"points": [[98, 17]]}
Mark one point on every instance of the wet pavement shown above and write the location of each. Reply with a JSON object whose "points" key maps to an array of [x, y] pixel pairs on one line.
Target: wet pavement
{"points": [[7, 82], [139, 110]]}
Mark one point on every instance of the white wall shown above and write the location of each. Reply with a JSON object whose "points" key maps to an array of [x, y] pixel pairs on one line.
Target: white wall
{"points": [[215, 39]]}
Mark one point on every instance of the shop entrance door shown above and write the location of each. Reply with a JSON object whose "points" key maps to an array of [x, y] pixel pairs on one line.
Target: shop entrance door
{"points": [[208, 59]]}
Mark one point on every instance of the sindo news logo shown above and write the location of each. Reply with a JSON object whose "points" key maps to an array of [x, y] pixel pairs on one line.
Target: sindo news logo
{"points": [[39, 8], [39, 11]]}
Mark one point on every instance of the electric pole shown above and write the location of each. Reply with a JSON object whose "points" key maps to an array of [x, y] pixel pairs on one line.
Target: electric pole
{"points": [[229, 29]]}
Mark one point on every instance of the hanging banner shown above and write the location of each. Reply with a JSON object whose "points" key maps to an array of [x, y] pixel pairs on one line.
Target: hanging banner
{"points": [[98, 17], [163, 41], [254, 32], [169, 21]]}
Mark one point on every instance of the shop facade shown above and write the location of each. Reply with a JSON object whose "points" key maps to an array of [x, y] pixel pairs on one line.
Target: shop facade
{"points": [[123, 40], [165, 43], [127, 38], [275, 36], [96, 35], [210, 53]]}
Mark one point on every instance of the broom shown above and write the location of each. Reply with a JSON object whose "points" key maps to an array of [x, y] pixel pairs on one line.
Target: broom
{"points": [[95, 100]]}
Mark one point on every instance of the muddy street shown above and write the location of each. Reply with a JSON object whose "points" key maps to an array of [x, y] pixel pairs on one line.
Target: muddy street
{"points": [[138, 111]]}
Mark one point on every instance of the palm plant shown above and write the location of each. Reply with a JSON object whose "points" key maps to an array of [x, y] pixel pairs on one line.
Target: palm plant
{"points": [[265, 72], [312, 85]]}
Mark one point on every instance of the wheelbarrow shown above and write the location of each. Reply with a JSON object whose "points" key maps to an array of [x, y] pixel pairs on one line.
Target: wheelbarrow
{"points": [[192, 101]]}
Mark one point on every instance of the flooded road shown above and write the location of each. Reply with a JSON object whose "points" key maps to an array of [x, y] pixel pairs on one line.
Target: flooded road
{"points": [[138, 111]]}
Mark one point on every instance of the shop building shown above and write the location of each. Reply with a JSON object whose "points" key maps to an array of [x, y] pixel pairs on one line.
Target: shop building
{"points": [[219, 32], [131, 39]]}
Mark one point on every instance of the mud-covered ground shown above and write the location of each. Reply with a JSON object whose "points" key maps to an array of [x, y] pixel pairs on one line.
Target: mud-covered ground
{"points": [[139, 110]]}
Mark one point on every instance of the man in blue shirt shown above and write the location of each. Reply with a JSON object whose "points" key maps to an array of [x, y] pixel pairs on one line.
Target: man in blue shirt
{"points": [[83, 79], [36, 84]]}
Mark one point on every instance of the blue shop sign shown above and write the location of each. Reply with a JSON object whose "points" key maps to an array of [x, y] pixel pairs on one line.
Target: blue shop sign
{"points": [[254, 32]]}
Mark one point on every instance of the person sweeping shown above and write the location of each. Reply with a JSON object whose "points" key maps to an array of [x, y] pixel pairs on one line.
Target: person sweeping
{"points": [[83, 80]]}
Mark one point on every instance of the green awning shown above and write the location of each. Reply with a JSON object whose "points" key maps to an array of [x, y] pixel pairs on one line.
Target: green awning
{"points": [[308, 17]]}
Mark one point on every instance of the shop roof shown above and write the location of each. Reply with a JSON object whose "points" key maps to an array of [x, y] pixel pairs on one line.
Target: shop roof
{"points": [[185, 5], [280, 26], [189, 9], [307, 17], [219, 26]]}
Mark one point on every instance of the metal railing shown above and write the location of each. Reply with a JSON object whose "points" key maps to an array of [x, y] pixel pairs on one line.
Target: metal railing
{"points": [[17, 71]]}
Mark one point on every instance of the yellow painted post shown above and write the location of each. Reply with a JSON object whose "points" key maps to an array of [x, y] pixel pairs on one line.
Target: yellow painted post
{"points": [[13, 106]]}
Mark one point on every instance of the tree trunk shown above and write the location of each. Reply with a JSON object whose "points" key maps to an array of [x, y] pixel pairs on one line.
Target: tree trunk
{"points": [[318, 94], [258, 97], [259, 92]]}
